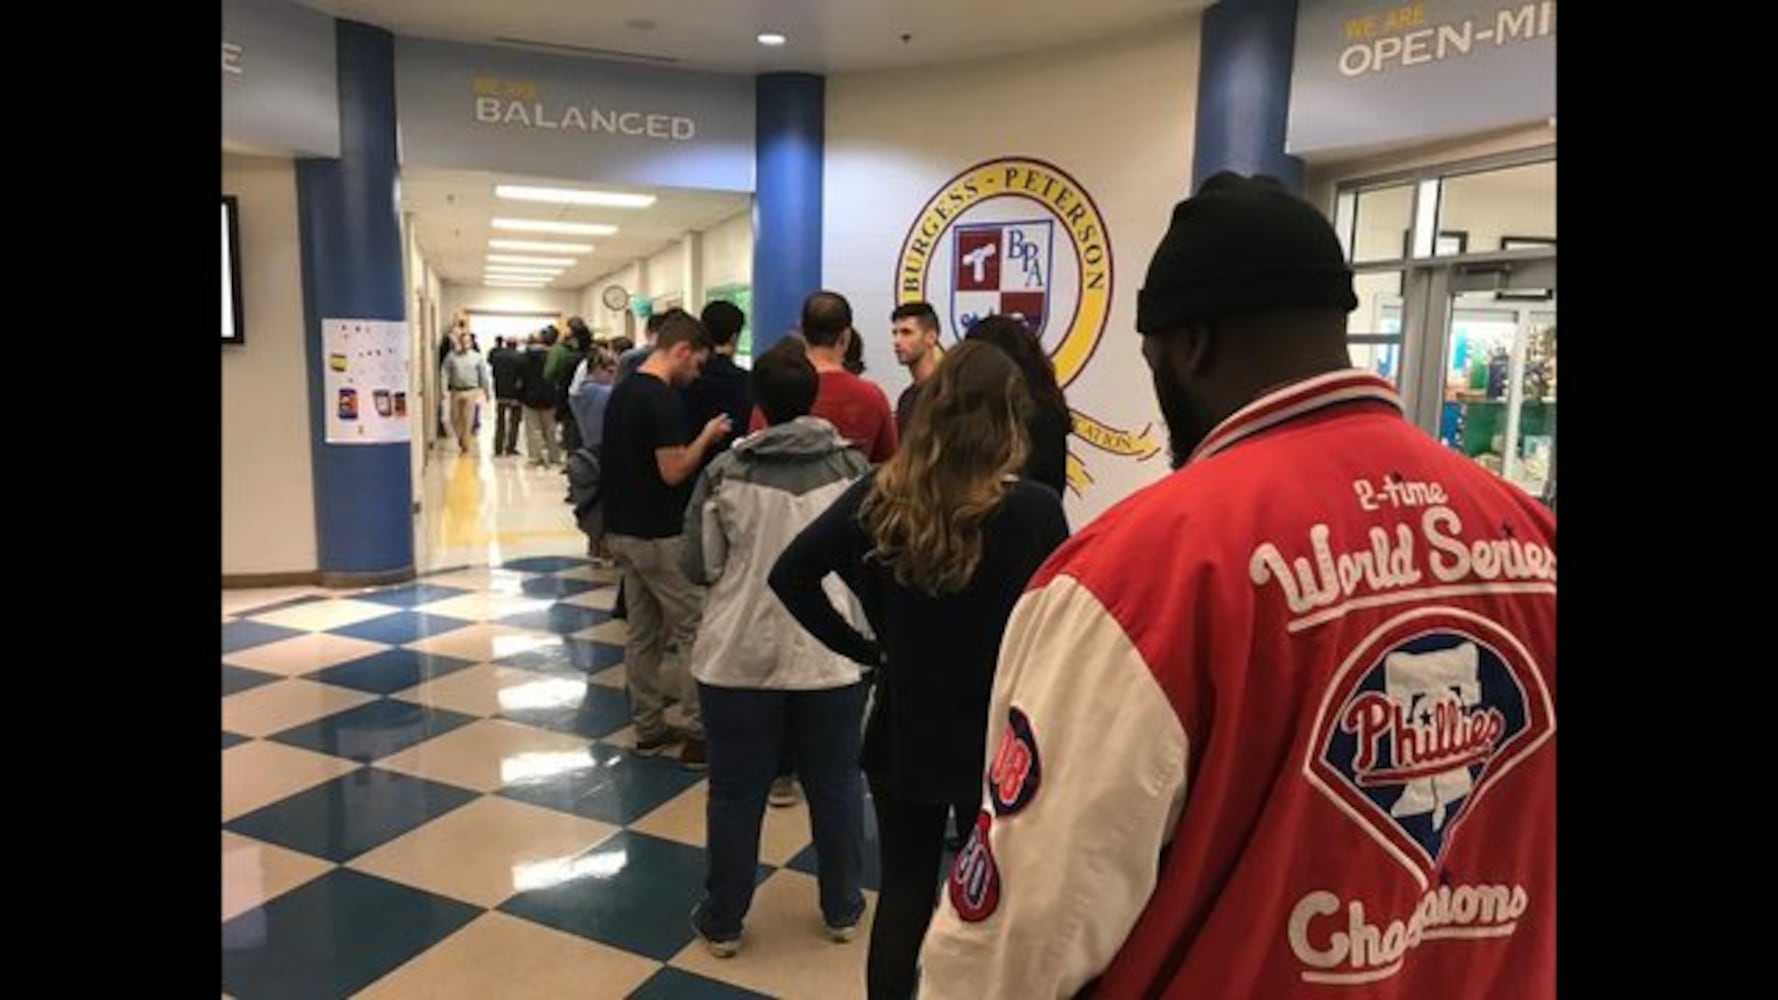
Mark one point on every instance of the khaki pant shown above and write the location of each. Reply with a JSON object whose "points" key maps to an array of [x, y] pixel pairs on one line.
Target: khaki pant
{"points": [[540, 436], [462, 416], [664, 610]]}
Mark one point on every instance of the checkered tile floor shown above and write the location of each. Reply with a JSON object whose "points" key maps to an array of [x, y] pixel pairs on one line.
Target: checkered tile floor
{"points": [[429, 791]]}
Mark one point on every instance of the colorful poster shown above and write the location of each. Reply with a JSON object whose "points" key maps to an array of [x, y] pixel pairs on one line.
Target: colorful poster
{"points": [[366, 381]]}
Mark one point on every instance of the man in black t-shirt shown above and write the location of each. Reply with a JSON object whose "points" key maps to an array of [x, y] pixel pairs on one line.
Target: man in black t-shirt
{"points": [[648, 468]]}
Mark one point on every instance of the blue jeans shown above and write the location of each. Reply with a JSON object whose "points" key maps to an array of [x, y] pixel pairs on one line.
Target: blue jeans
{"points": [[747, 731]]}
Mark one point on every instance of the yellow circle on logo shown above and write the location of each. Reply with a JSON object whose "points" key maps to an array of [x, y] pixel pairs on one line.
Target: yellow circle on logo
{"points": [[1061, 196]]}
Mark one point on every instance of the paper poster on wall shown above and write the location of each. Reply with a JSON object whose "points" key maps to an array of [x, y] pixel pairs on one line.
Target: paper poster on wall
{"points": [[366, 381]]}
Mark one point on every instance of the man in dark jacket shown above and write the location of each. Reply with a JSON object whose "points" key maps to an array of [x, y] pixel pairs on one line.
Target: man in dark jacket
{"points": [[506, 360], [538, 394], [723, 387]]}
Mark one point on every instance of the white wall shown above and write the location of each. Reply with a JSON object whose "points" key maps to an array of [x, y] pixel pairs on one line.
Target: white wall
{"points": [[608, 323], [728, 252], [724, 256], [437, 320], [1117, 115], [457, 297], [664, 274], [268, 495], [422, 379], [587, 305]]}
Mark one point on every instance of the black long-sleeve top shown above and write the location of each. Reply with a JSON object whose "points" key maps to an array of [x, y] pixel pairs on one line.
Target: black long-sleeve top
{"points": [[927, 733]]}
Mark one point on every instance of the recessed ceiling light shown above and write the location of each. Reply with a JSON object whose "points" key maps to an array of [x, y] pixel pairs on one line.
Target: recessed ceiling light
{"points": [[516, 271], [571, 196], [541, 226], [499, 281], [540, 246], [771, 38], [503, 258]]}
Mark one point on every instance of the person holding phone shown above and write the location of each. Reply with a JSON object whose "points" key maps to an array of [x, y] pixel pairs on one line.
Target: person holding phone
{"points": [[649, 462]]}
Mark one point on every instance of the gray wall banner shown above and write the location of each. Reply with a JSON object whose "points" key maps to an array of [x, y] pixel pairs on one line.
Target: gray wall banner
{"points": [[280, 79], [1370, 73], [473, 107]]}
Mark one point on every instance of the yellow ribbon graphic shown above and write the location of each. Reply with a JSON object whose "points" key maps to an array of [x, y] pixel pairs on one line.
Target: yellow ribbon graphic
{"points": [[1140, 445], [1078, 476]]}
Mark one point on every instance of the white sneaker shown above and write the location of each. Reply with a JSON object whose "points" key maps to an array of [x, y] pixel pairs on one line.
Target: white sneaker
{"points": [[720, 949], [846, 932], [784, 791]]}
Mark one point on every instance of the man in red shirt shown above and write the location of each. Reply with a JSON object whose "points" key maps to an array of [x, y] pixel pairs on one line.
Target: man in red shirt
{"points": [[1281, 724], [856, 406]]}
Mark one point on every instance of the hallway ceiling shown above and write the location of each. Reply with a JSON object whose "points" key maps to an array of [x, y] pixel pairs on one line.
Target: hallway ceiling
{"points": [[453, 209], [824, 36]]}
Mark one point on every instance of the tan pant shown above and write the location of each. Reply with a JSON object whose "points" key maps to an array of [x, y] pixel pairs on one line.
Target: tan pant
{"points": [[664, 610], [540, 436], [463, 415]]}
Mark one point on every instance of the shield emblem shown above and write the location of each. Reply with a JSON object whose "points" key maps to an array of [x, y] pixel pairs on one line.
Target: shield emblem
{"points": [[1001, 268]]}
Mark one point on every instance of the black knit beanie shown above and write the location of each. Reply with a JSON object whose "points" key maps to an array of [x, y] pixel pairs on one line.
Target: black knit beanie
{"points": [[1242, 245]]}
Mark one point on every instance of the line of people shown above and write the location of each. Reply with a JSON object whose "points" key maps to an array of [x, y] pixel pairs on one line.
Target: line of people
{"points": [[1143, 729], [532, 384], [774, 672]]}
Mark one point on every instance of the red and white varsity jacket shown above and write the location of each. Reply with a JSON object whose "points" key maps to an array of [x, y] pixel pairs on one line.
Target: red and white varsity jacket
{"points": [[1279, 725]]}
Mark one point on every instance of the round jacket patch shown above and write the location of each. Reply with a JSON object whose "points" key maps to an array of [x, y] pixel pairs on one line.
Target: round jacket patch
{"points": [[974, 884], [1014, 775]]}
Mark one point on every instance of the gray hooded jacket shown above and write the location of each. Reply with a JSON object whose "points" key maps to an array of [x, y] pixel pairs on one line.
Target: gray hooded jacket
{"points": [[748, 505]]}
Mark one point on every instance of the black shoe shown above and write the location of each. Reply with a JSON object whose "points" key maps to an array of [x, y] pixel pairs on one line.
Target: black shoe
{"points": [[653, 746], [694, 755]]}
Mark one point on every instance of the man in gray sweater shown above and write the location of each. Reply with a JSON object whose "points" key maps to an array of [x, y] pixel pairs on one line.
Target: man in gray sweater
{"points": [[465, 378]]}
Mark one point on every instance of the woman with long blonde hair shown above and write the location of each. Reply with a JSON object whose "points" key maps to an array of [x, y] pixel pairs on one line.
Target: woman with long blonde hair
{"points": [[938, 544]]}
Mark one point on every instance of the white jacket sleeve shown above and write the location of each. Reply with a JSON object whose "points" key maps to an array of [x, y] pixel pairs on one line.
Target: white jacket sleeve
{"points": [[1086, 778]]}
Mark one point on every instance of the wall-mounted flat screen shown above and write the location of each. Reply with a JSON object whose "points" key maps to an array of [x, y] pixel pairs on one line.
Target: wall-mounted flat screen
{"points": [[232, 332]]}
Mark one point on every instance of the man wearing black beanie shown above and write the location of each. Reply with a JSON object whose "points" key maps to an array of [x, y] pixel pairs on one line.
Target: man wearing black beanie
{"points": [[1282, 723]]}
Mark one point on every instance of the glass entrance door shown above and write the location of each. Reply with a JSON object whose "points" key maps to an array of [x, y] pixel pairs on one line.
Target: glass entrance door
{"points": [[1499, 400]]}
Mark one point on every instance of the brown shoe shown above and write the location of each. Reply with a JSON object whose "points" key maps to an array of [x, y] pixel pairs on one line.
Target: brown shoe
{"points": [[692, 755], [650, 746]]}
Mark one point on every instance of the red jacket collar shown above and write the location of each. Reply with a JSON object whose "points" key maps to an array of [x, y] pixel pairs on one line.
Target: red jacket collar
{"points": [[1295, 400]]}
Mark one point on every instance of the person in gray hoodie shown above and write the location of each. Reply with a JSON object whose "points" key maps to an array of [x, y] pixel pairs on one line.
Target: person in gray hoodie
{"points": [[762, 680]]}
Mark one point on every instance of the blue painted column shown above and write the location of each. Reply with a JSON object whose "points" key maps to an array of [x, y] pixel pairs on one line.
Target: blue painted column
{"points": [[351, 267], [1244, 91], [791, 126]]}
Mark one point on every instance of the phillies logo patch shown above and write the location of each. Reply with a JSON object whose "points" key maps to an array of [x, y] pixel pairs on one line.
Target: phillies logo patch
{"points": [[1428, 712], [1016, 771], [974, 885]]}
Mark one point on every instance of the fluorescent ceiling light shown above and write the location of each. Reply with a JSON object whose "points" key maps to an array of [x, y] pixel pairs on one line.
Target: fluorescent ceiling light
{"points": [[570, 196], [771, 38], [496, 282], [496, 272], [540, 246], [541, 226], [501, 258]]}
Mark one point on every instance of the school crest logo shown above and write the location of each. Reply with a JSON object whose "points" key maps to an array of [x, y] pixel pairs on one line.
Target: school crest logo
{"points": [[1019, 236], [1002, 269], [1423, 718]]}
